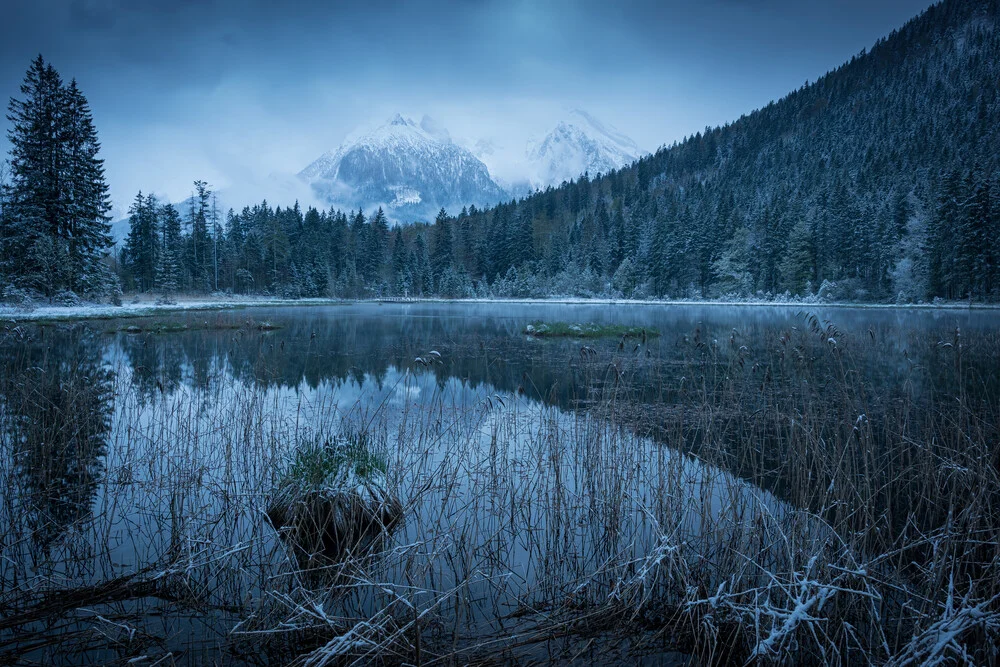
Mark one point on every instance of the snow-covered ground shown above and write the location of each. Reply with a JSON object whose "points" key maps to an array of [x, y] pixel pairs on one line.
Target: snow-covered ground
{"points": [[138, 307], [145, 307]]}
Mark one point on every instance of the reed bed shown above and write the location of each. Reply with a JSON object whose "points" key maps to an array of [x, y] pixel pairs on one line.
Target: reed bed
{"points": [[739, 497]]}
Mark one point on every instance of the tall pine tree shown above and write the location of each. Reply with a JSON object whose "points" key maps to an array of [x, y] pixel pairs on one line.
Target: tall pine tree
{"points": [[54, 230]]}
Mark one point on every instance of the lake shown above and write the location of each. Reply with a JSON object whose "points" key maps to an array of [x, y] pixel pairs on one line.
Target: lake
{"points": [[686, 489]]}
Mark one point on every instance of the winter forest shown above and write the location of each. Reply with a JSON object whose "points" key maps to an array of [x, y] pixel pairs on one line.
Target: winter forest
{"points": [[878, 182]]}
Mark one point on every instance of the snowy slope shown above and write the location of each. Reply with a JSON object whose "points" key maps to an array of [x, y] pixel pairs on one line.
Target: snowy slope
{"points": [[410, 170], [579, 144]]}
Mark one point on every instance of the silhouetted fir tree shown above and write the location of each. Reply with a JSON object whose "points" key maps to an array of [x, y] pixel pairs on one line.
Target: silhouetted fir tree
{"points": [[143, 244], [198, 252], [617, 240], [34, 205], [54, 230], [399, 277], [442, 245], [524, 244], [978, 237], [378, 247], [86, 225], [358, 243], [944, 225], [168, 271], [797, 268], [420, 266], [659, 268]]}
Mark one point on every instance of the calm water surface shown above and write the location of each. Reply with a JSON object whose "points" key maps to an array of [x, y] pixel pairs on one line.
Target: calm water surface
{"points": [[525, 465]]}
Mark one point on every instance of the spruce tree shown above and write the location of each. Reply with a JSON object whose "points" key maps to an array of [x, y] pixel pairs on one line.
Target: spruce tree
{"points": [[55, 229], [85, 192], [798, 264], [33, 193], [171, 248], [199, 256], [143, 245], [399, 261], [442, 248], [378, 246]]}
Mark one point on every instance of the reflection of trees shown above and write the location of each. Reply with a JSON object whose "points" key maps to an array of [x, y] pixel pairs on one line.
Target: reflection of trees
{"points": [[322, 345], [702, 382], [351, 350], [55, 411]]}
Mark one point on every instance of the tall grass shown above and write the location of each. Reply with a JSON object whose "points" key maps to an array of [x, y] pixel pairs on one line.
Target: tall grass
{"points": [[748, 496]]}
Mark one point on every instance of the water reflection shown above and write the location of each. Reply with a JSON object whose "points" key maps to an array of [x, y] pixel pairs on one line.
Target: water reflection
{"points": [[56, 404], [484, 344]]}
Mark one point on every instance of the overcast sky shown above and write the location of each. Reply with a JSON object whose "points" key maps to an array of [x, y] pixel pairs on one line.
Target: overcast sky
{"points": [[243, 92]]}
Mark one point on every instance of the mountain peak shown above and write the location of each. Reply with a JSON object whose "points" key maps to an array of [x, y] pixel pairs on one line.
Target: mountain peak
{"points": [[411, 171], [398, 119]]}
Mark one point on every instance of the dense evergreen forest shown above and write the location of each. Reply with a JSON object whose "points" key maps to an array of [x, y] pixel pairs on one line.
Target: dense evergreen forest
{"points": [[878, 182]]}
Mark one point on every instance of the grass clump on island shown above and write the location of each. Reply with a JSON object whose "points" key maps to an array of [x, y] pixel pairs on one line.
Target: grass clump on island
{"points": [[316, 462], [333, 499], [588, 330], [181, 327]]}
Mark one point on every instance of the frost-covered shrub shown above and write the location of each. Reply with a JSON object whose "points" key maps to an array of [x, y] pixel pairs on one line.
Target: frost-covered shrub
{"points": [[454, 285], [826, 290], [115, 293], [66, 298], [850, 289], [18, 297], [516, 284], [627, 278], [908, 281]]}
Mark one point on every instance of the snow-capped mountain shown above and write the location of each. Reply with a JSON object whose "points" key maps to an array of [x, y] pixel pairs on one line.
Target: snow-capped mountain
{"points": [[411, 170], [579, 144]]}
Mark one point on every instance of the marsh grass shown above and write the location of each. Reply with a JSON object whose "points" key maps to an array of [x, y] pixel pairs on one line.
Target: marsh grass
{"points": [[315, 461], [188, 325], [541, 329], [741, 497]]}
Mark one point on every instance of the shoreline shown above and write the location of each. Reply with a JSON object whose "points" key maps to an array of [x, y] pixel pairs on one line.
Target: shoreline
{"points": [[150, 308]]}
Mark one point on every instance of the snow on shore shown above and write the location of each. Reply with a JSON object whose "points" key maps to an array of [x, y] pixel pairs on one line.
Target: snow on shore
{"points": [[145, 308]]}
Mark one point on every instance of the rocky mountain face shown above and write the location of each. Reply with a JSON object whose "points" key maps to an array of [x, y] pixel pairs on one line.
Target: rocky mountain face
{"points": [[412, 171]]}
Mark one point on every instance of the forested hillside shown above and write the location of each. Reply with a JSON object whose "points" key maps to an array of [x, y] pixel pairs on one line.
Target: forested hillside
{"points": [[880, 177]]}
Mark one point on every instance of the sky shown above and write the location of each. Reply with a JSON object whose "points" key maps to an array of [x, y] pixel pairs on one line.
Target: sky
{"points": [[246, 93]]}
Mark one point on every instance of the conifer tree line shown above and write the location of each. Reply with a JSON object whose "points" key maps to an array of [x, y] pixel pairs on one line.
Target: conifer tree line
{"points": [[54, 225]]}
